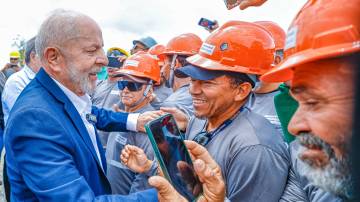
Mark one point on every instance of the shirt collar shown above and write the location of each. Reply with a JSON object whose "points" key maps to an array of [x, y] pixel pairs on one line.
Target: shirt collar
{"points": [[29, 72], [81, 103]]}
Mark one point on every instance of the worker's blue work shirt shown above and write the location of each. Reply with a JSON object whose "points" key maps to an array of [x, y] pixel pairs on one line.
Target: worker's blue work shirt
{"points": [[253, 157], [180, 99], [121, 178], [263, 104]]}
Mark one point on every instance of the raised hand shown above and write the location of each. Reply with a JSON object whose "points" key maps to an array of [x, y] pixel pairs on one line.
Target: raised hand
{"points": [[135, 159]]}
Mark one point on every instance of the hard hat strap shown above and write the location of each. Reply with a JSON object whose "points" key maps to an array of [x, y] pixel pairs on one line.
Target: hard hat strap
{"points": [[172, 71]]}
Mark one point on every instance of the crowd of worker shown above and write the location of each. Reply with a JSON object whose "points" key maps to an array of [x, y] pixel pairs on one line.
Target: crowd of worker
{"points": [[265, 114]]}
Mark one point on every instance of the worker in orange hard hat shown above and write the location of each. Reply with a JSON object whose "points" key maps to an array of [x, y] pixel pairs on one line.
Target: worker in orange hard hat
{"points": [[106, 93], [161, 91], [319, 56], [261, 100], [177, 50], [244, 143], [136, 80]]}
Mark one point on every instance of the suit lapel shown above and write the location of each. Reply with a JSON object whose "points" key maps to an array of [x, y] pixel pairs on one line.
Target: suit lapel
{"points": [[74, 115]]}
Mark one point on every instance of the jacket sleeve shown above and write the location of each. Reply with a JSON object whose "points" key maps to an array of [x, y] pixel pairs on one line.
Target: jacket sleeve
{"points": [[110, 121], [43, 157]]}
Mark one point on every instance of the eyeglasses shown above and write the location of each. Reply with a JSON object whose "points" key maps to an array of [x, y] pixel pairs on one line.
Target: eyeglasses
{"points": [[14, 58], [131, 86], [203, 138]]}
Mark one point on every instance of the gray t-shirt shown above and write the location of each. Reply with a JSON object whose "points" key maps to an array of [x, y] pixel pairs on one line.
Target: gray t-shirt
{"points": [[123, 180], [180, 99], [252, 155], [263, 104], [162, 92], [298, 187], [106, 94]]}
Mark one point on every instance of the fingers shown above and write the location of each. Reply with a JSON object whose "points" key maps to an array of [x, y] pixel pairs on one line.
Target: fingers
{"points": [[204, 172], [170, 110], [165, 189], [214, 186], [125, 154], [199, 152], [247, 3]]}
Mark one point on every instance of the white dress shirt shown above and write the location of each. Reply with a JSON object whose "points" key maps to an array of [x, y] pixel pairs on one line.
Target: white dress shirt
{"points": [[83, 106], [14, 85]]}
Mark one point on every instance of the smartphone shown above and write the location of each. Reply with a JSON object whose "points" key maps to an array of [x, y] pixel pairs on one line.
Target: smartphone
{"points": [[114, 62], [206, 23], [173, 156], [230, 4]]}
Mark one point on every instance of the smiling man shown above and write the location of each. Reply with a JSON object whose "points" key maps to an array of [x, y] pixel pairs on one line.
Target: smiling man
{"points": [[138, 75], [53, 151], [320, 58], [245, 145]]}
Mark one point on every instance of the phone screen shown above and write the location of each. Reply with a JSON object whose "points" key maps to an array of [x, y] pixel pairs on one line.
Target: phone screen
{"points": [[114, 62], [230, 4], [206, 23], [173, 156]]}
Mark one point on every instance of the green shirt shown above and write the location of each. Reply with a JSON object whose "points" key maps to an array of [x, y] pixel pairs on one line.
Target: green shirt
{"points": [[285, 106]]}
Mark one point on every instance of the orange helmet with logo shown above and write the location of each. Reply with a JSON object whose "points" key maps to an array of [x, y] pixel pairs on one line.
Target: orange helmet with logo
{"points": [[157, 51], [276, 32], [334, 31], [141, 65], [184, 44], [238, 47]]}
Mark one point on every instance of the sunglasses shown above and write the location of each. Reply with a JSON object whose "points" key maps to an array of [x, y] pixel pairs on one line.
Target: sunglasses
{"points": [[131, 86], [14, 58], [203, 138]]}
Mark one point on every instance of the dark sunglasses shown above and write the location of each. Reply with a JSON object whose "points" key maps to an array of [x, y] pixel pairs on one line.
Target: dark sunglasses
{"points": [[203, 138], [131, 86], [14, 58]]}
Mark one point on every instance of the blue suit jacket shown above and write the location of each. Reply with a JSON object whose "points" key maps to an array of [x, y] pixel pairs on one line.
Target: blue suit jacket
{"points": [[50, 156]]}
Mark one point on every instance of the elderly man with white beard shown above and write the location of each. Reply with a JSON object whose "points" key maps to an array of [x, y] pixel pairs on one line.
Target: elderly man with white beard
{"points": [[319, 60]]}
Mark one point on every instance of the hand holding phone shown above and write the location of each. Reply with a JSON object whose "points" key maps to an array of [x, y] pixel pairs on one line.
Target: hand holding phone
{"points": [[208, 24], [173, 156]]}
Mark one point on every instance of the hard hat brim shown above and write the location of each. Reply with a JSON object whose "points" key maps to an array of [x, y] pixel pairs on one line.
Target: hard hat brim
{"points": [[134, 74], [209, 64], [284, 71], [198, 73]]}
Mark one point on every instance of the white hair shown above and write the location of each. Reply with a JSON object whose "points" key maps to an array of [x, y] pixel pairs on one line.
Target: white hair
{"points": [[60, 26]]}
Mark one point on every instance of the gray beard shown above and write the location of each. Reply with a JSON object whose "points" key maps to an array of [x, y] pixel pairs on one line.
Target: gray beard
{"points": [[82, 80], [336, 176]]}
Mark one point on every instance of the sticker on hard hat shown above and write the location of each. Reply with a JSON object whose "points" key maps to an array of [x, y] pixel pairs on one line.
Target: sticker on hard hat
{"points": [[133, 63], [224, 46], [291, 38], [207, 48]]}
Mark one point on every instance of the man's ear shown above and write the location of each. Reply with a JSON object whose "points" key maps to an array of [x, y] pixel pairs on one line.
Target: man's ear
{"points": [[53, 57], [242, 91]]}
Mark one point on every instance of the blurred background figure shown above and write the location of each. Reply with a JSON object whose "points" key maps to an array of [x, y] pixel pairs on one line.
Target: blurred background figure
{"points": [[143, 44], [13, 65]]}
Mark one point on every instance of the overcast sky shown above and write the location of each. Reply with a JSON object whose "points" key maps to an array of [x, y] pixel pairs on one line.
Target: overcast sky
{"points": [[124, 20]]}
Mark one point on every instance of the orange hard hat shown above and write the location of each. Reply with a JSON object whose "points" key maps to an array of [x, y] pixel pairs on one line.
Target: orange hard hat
{"points": [[276, 32], [334, 31], [241, 47], [157, 51], [141, 65], [184, 44]]}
